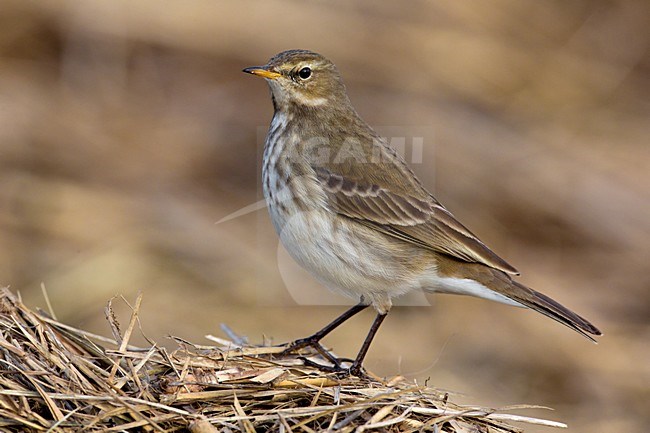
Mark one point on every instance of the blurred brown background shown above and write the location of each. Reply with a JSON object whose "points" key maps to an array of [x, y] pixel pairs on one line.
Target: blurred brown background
{"points": [[127, 131]]}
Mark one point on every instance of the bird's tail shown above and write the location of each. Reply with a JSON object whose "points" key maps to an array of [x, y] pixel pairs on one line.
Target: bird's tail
{"points": [[553, 309], [505, 287]]}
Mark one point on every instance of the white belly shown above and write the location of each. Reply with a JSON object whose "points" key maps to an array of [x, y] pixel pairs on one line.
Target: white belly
{"points": [[342, 256]]}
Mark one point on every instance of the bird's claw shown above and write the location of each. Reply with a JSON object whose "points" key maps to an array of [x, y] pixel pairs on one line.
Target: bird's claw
{"points": [[336, 363]]}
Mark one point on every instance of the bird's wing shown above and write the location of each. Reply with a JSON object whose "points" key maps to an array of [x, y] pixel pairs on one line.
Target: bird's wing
{"points": [[410, 214]]}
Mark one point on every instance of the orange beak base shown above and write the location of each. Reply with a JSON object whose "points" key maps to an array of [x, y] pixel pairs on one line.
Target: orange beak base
{"points": [[262, 71]]}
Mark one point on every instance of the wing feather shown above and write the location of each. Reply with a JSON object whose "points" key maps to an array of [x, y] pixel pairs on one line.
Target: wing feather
{"points": [[418, 220]]}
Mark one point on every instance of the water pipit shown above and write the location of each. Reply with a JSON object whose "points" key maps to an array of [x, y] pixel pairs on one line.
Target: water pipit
{"points": [[349, 210]]}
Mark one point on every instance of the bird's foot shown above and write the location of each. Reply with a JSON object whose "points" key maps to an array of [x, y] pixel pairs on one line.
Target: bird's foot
{"points": [[336, 364], [337, 367], [312, 342]]}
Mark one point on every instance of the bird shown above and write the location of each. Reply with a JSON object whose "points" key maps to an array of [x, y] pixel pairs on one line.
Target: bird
{"points": [[349, 210]]}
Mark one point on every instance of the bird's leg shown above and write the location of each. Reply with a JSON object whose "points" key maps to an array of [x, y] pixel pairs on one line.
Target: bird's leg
{"points": [[314, 339], [356, 369]]}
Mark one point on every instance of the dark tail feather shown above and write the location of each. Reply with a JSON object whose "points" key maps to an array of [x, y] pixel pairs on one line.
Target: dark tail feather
{"points": [[551, 308]]}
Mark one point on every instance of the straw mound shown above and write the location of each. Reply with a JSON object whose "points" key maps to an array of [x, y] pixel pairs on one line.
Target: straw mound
{"points": [[56, 377]]}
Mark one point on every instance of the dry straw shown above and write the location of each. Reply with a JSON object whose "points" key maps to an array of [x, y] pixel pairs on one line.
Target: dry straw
{"points": [[55, 378]]}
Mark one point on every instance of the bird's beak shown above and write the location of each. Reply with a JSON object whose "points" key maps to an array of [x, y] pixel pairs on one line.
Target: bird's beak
{"points": [[262, 71]]}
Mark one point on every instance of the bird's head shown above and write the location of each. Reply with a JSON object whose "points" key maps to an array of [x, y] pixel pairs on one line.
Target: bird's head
{"points": [[302, 78]]}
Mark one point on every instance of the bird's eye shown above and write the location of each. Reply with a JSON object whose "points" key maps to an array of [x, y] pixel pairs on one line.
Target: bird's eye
{"points": [[304, 73]]}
